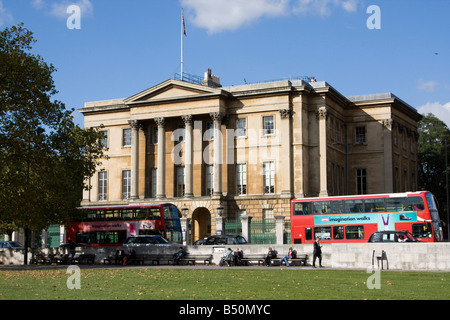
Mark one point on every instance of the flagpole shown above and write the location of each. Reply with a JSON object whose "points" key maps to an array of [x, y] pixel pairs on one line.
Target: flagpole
{"points": [[182, 33]]}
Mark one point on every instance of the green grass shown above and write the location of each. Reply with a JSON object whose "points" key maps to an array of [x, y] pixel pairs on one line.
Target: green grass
{"points": [[221, 284]]}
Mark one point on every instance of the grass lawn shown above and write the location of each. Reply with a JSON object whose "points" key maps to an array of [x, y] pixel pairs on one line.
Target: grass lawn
{"points": [[221, 284]]}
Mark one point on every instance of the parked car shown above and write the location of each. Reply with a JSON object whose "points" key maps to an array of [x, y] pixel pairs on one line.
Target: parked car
{"points": [[11, 245], [199, 242], [392, 236], [147, 240], [222, 239]]}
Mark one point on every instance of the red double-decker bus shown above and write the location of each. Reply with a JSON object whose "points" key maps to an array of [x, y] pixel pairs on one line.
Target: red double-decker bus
{"points": [[355, 218], [111, 225]]}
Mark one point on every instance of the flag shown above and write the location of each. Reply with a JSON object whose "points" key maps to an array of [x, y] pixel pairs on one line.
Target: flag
{"points": [[184, 26]]}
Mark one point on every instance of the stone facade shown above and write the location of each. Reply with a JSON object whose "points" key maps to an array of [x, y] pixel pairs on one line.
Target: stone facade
{"points": [[249, 149]]}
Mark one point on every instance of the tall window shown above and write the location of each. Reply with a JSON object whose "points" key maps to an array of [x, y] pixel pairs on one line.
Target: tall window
{"points": [[361, 181], [104, 139], [126, 139], [126, 184], [269, 177], [268, 125], [209, 133], [209, 180], [241, 178], [180, 181], [241, 127], [360, 135], [102, 185]]}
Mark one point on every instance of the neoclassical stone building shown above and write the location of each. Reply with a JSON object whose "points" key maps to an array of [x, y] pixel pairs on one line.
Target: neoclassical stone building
{"points": [[249, 149]]}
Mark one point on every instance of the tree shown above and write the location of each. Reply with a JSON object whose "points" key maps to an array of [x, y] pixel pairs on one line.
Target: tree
{"points": [[433, 135], [44, 156]]}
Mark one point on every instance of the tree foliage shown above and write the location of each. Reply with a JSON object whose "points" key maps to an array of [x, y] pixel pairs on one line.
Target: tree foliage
{"points": [[44, 155], [433, 135]]}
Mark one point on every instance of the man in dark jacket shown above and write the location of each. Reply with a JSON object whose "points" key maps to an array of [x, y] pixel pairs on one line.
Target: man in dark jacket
{"points": [[317, 253]]}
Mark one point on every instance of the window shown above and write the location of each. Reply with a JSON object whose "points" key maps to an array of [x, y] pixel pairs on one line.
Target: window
{"points": [[361, 181], [268, 214], [302, 208], [241, 127], [102, 185], [269, 177], [155, 135], [268, 125], [321, 207], [360, 135], [104, 139], [324, 233], [179, 133], [126, 139], [209, 180], [241, 172], [354, 232], [126, 184], [338, 232], [180, 182]]}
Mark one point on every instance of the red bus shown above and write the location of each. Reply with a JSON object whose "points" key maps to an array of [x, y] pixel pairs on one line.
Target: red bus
{"points": [[111, 225], [354, 218]]}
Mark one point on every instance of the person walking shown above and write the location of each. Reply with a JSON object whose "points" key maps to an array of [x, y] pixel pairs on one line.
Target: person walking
{"points": [[317, 253]]}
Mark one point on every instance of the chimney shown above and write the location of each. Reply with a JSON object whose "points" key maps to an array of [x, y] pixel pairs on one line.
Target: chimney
{"points": [[211, 80]]}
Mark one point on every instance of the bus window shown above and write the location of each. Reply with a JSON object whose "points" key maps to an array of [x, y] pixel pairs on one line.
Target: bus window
{"points": [[414, 204], [321, 207], [91, 215], [354, 232], [111, 214], [374, 205], [154, 213], [126, 214], [353, 206], [430, 200], [338, 232], [140, 214], [394, 204], [324, 233], [302, 208], [337, 206], [421, 230]]}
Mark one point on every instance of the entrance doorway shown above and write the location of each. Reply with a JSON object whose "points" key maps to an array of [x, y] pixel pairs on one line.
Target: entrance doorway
{"points": [[201, 223]]}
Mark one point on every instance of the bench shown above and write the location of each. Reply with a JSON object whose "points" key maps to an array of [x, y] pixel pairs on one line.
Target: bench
{"points": [[61, 259], [191, 259], [300, 260], [85, 258], [248, 258]]}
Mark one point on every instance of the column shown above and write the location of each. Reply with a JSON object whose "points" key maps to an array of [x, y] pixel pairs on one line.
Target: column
{"points": [[322, 114], [246, 229], [188, 154], [388, 166], [279, 227], [134, 192], [284, 165], [217, 118], [161, 170]]}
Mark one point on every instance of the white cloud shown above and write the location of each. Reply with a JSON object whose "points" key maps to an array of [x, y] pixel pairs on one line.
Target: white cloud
{"points": [[5, 16], [221, 15], [427, 86], [441, 111], [224, 15]]}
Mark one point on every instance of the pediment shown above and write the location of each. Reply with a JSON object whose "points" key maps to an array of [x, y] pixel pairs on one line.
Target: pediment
{"points": [[172, 90]]}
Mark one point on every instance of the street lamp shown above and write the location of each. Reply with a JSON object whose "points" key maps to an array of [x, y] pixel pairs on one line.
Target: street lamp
{"points": [[185, 211], [220, 211]]}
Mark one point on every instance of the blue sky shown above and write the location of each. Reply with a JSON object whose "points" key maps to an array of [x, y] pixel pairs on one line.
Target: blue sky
{"points": [[124, 47]]}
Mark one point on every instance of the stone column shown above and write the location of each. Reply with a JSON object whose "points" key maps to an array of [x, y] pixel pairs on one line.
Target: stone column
{"points": [[134, 192], [161, 170], [188, 155], [279, 229], [284, 167], [322, 114], [217, 118], [246, 230], [388, 166]]}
